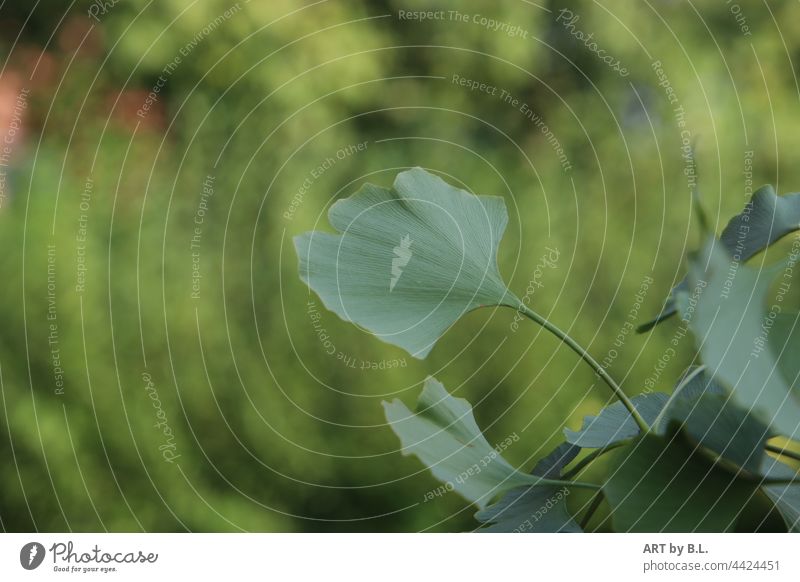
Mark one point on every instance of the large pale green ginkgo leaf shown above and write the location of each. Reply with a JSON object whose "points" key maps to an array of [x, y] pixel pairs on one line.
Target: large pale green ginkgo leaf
{"points": [[784, 343], [730, 323], [766, 218], [443, 433], [410, 260]]}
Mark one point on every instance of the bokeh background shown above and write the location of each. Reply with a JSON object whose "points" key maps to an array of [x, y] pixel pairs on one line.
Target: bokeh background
{"points": [[162, 366]]}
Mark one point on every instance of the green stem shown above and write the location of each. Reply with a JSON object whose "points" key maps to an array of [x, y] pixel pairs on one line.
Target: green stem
{"points": [[597, 499], [782, 451], [675, 393], [581, 465], [779, 482], [598, 369], [565, 483]]}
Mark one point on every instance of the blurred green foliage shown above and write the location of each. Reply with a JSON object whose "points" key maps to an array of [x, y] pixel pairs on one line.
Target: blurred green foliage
{"points": [[273, 433]]}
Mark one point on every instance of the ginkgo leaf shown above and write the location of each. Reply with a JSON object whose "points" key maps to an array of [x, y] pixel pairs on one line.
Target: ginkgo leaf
{"points": [[410, 260], [536, 509], [700, 407], [663, 485], [728, 322], [786, 497], [614, 423], [766, 218], [443, 433], [716, 423], [692, 384], [784, 343]]}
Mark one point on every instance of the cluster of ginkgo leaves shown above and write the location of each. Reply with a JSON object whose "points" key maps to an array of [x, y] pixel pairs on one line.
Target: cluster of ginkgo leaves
{"points": [[685, 461]]}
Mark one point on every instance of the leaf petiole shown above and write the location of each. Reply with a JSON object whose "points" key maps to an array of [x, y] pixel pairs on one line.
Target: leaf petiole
{"points": [[597, 499], [581, 465], [675, 393], [567, 483], [783, 451], [586, 356]]}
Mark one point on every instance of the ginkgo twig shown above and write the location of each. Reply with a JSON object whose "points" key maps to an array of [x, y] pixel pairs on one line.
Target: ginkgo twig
{"points": [[597, 499], [567, 483], [587, 357], [581, 465]]}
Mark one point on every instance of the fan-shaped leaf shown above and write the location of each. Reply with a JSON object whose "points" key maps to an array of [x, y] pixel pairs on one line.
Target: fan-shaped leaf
{"points": [[786, 497], [766, 218], [409, 260], [728, 321], [443, 433], [663, 485], [697, 385], [784, 343], [535, 509], [716, 423], [700, 407], [614, 423]]}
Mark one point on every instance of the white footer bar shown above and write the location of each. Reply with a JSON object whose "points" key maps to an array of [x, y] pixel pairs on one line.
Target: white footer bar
{"points": [[389, 557]]}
